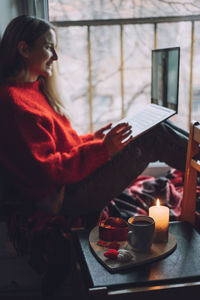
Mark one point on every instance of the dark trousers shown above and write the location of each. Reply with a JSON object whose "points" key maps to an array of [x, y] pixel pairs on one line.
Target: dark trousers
{"points": [[165, 142]]}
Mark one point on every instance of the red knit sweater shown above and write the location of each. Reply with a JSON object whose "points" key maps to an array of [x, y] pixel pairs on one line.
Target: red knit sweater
{"points": [[39, 148]]}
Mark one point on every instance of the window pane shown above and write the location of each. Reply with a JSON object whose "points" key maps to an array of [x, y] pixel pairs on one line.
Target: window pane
{"points": [[137, 66], [105, 43], [138, 41], [114, 9], [73, 65], [180, 35]]}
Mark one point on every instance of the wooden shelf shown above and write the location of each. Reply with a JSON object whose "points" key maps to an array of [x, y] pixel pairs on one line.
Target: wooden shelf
{"points": [[195, 164]]}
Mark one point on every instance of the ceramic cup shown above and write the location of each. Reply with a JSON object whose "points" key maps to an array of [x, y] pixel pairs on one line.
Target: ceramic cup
{"points": [[141, 232]]}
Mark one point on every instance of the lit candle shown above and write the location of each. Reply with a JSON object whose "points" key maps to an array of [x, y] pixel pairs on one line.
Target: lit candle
{"points": [[160, 214]]}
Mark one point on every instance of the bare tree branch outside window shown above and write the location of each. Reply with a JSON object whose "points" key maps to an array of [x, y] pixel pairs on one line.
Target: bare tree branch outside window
{"points": [[138, 41]]}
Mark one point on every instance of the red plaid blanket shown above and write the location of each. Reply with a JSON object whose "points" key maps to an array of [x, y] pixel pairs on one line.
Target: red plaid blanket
{"points": [[143, 192]]}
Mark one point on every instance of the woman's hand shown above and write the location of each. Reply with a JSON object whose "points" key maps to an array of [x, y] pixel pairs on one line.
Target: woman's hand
{"points": [[114, 138], [99, 134]]}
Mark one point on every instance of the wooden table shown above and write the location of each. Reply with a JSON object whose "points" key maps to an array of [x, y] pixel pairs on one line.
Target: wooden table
{"points": [[173, 277]]}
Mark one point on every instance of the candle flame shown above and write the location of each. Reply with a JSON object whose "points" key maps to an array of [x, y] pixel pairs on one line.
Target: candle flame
{"points": [[157, 202]]}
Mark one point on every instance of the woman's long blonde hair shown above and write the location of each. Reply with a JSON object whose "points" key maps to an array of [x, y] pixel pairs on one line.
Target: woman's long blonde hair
{"points": [[51, 87], [28, 29]]}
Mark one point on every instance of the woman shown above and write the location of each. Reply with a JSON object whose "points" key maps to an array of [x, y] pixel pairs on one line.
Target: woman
{"points": [[51, 166], [28, 50]]}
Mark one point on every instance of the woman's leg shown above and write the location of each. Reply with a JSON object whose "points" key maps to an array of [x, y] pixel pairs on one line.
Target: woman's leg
{"points": [[164, 143]]}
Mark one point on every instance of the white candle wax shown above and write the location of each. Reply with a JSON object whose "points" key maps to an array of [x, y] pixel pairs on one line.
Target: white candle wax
{"points": [[160, 214]]}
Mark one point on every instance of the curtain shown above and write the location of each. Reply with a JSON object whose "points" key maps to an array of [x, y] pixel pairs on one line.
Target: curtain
{"points": [[10, 9], [38, 8]]}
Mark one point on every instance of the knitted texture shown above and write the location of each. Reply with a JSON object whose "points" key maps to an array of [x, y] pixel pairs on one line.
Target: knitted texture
{"points": [[39, 148]]}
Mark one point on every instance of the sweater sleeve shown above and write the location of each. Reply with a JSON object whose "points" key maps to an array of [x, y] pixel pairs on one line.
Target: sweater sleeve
{"points": [[62, 168], [87, 137], [33, 149]]}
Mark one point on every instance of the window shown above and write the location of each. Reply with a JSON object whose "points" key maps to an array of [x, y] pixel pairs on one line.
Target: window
{"points": [[105, 55]]}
